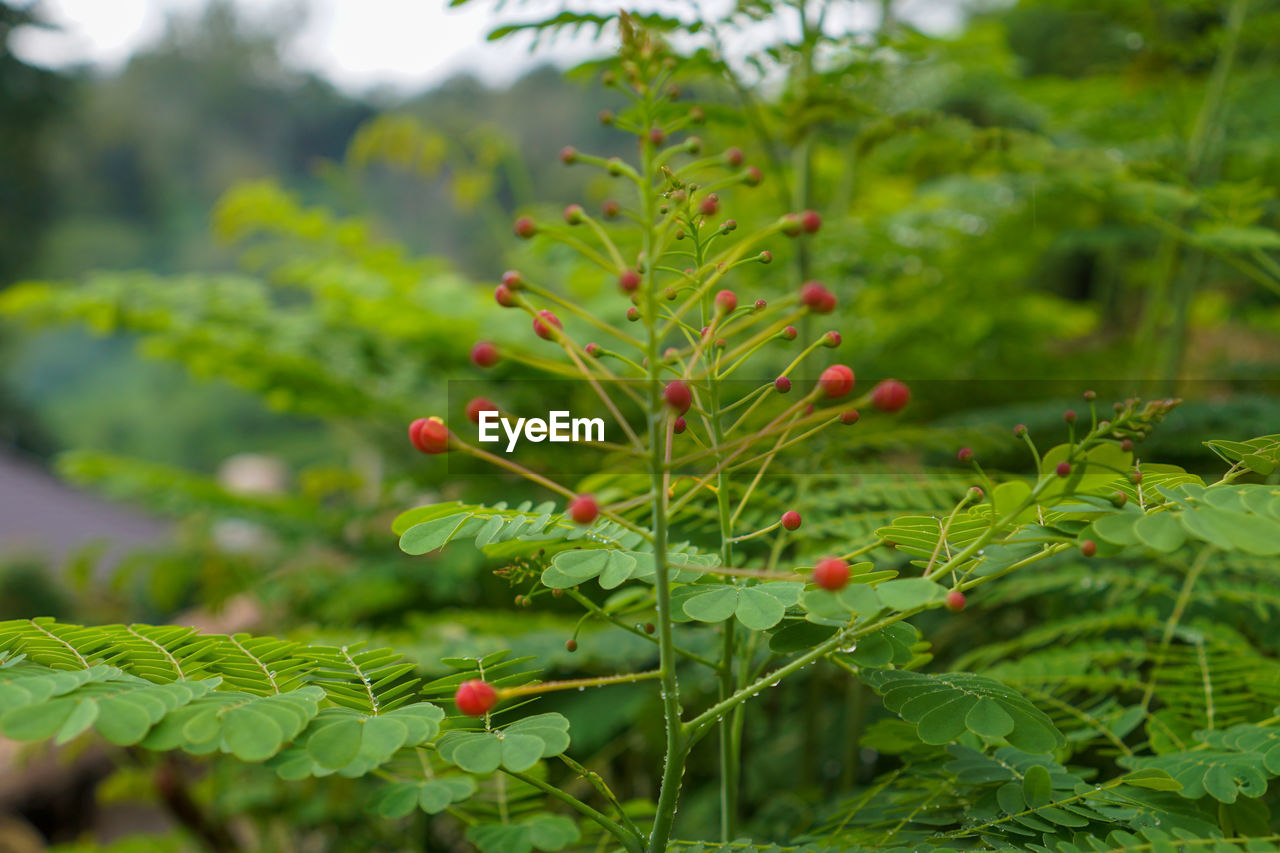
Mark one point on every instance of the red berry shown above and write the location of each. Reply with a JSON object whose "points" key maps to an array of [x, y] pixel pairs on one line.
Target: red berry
{"points": [[484, 354], [752, 177], [765, 257], [475, 697], [815, 296], [733, 157], [791, 520], [810, 221], [789, 333], [592, 349], [574, 214], [478, 405], [678, 396], [1069, 416], [583, 509], [504, 297], [832, 339], [977, 492], [849, 417], [726, 301], [782, 384], [836, 380], [629, 280], [633, 313], [1063, 469], [831, 573], [429, 435], [657, 136], [965, 454], [679, 426], [1135, 477], [890, 396], [1020, 430], [710, 205], [761, 304], [955, 601], [513, 279], [1088, 547], [610, 209], [568, 154], [543, 322], [571, 645], [1127, 445], [525, 228]]}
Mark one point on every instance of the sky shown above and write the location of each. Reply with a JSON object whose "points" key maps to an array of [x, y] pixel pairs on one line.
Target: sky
{"points": [[360, 45]]}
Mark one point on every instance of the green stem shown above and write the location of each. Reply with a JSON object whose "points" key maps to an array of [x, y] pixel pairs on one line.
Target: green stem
{"points": [[633, 843]]}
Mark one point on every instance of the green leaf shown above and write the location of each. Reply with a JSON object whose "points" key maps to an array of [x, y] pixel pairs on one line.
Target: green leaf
{"points": [[552, 832], [909, 593], [335, 744], [715, 605], [431, 535], [1037, 787], [501, 838], [756, 609], [251, 735], [1160, 531], [1153, 779], [520, 751], [478, 753], [988, 719]]}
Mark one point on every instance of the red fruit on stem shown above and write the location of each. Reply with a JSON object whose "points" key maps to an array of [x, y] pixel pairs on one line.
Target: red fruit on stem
{"points": [[1127, 445], [752, 177], [765, 257], [955, 601], [543, 322], [525, 228], [832, 339], [815, 296], [761, 304], [782, 384], [478, 405], [629, 281], [726, 301], [568, 154], [789, 333], [571, 645], [583, 509], [484, 354], [1020, 430], [733, 157], [592, 349], [890, 396], [710, 205], [836, 380], [1069, 416], [678, 396], [810, 221], [657, 136], [610, 209], [429, 435], [475, 697], [1088, 547], [679, 426], [791, 520], [965, 454], [574, 214], [504, 297], [849, 417], [633, 313], [831, 573], [1063, 469], [513, 279]]}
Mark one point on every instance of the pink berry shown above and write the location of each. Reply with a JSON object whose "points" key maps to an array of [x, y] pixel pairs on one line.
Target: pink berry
{"points": [[815, 296], [831, 573], [761, 304], [1063, 469], [574, 214], [791, 520], [782, 384], [429, 435], [543, 322], [475, 697], [484, 354], [592, 349], [583, 509], [955, 601], [568, 155], [478, 405], [789, 333], [752, 177], [890, 396], [726, 301], [629, 281], [836, 380], [678, 396], [965, 454]]}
